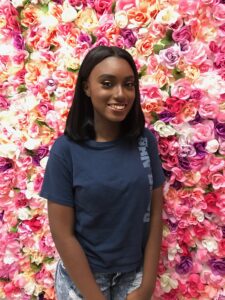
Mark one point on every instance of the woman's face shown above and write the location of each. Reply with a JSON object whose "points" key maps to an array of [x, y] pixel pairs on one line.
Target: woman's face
{"points": [[111, 87]]}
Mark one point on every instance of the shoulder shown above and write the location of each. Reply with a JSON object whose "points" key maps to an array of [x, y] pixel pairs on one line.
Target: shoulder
{"points": [[150, 136], [61, 146]]}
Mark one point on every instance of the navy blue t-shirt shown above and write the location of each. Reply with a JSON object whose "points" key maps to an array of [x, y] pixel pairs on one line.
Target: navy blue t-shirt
{"points": [[109, 185]]}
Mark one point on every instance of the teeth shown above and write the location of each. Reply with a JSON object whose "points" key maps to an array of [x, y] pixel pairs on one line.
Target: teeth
{"points": [[118, 106]]}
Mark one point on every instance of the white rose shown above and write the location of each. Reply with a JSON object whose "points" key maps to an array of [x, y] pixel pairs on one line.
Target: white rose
{"points": [[17, 3], [30, 287], [23, 213], [32, 144], [121, 19], [167, 16], [163, 129], [48, 21], [8, 150], [69, 14], [198, 214], [212, 146], [43, 162], [9, 258], [210, 244], [168, 283]]}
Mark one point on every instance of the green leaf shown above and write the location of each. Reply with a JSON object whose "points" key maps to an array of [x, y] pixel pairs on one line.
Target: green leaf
{"points": [[35, 267], [169, 35], [164, 88], [93, 38], [14, 229], [177, 74], [29, 152], [142, 71], [113, 7], [44, 8], [154, 117], [157, 48], [52, 47], [48, 260], [42, 123], [30, 50], [72, 70], [21, 88], [16, 189]]}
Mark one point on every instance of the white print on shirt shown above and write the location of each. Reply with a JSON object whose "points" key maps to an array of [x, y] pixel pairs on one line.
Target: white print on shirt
{"points": [[142, 147]]}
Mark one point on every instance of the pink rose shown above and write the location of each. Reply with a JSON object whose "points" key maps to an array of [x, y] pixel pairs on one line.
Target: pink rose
{"points": [[208, 108], [216, 163], [222, 146], [197, 54], [219, 13], [125, 4], [189, 7], [182, 34], [219, 61], [203, 131], [181, 89], [103, 6], [4, 103], [218, 180]]}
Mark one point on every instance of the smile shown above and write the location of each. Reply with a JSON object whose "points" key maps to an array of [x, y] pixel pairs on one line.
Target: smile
{"points": [[117, 107]]}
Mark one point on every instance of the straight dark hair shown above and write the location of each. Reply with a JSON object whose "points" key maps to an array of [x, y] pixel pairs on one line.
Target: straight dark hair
{"points": [[80, 120]]}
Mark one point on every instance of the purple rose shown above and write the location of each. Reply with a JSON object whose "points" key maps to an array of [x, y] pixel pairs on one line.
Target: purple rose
{"points": [[184, 163], [220, 129], [182, 34], [18, 41], [170, 57], [5, 164], [223, 231], [84, 38], [217, 266], [200, 149], [1, 215], [40, 153], [177, 185], [184, 266], [172, 226], [129, 37], [184, 45], [196, 120], [166, 116]]}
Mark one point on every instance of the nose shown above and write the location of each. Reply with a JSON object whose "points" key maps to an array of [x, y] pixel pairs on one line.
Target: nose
{"points": [[119, 93]]}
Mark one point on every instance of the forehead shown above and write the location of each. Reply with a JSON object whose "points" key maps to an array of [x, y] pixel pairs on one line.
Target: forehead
{"points": [[114, 66]]}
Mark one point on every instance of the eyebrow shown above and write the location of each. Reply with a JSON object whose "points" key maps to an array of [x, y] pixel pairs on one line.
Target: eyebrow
{"points": [[112, 76]]}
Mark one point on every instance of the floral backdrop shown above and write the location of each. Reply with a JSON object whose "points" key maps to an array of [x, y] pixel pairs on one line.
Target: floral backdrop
{"points": [[179, 49]]}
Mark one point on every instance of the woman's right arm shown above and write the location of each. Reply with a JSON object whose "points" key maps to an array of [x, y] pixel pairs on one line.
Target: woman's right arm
{"points": [[61, 221]]}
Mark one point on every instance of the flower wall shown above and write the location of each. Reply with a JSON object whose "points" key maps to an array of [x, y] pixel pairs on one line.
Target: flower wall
{"points": [[179, 49]]}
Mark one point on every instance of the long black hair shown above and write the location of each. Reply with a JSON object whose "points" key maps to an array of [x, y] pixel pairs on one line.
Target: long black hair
{"points": [[80, 120]]}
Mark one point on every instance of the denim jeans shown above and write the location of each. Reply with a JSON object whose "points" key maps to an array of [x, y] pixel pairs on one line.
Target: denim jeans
{"points": [[115, 286]]}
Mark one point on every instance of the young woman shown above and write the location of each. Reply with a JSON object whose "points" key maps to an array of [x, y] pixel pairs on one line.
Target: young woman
{"points": [[103, 182]]}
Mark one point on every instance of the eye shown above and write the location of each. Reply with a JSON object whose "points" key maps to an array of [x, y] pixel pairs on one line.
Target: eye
{"points": [[130, 84], [107, 84]]}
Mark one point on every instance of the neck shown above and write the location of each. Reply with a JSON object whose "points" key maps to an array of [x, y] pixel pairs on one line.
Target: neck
{"points": [[107, 132]]}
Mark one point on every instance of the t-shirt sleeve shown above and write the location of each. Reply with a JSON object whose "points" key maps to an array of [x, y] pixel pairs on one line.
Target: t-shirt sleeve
{"points": [[57, 184], [157, 170]]}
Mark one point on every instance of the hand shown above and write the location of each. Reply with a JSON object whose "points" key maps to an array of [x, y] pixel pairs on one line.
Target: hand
{"points": [[139, 294]]}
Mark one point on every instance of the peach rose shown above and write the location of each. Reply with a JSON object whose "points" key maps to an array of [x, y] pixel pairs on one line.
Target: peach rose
{"points": [[87, 19]]}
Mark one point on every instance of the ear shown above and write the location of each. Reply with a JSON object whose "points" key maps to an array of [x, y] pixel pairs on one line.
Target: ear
{"points": [[86, 88]]}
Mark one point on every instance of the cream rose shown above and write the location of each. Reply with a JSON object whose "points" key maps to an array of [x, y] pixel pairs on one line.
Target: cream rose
{"points": [[163, 129], [212, 146], [121, 19], [87, 19], [167, 16], [69, 14]]}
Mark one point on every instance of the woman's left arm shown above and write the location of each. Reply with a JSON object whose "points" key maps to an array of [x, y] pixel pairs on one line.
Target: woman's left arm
{"points": [[152, 249]]}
